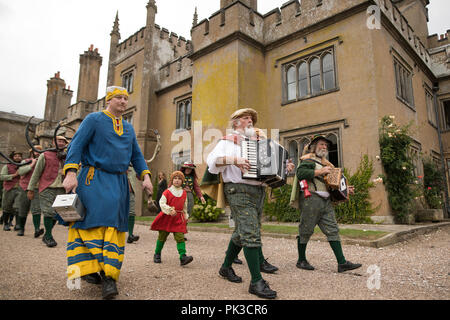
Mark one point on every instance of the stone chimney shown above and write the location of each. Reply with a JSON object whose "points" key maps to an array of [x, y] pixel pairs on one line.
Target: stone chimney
{"points": [[115, 37], [58, 99], [88, 80]]}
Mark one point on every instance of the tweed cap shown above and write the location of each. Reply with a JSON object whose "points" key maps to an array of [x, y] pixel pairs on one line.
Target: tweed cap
{"points": [[245, 112]]}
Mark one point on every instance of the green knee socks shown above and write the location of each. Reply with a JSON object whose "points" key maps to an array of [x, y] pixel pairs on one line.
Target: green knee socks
{"points": [[181, 247], [48, 224], [36, 221], [252, 257], [231, 254], [337, 249], [159, 246], [131, 220], [301, 247]]}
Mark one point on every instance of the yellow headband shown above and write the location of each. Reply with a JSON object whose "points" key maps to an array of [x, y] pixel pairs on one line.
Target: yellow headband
{"points": [[111, 92]]}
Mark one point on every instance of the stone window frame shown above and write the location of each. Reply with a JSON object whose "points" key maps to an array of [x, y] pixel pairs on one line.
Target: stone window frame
{"points": [[300, 140], [403, 72], [178, 158], [127, 76], [184, 105], [307, 60], [431, 108], [415, 152], [445, 124]]}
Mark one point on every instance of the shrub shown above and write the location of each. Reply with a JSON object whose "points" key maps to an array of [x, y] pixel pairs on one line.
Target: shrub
{"points": [[398, 166], [207, 212], [433, 184], [280, 208], [358, 208]]}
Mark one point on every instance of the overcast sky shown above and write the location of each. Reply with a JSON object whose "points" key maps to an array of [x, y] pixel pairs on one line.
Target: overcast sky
{"points": [[40, 37]]}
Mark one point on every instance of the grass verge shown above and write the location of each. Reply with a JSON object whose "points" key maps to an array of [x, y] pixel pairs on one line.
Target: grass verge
{"points": [[291, 230]]}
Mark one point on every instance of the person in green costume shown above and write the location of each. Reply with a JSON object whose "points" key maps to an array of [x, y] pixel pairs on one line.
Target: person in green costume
{"points": [[318, 208], [25, 204], [246, 199]]}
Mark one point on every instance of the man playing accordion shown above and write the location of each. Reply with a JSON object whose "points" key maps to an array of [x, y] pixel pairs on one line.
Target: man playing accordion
{"points": [[317, 209]]}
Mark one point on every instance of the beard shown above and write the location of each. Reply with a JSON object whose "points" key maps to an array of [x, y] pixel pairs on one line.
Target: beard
{"points": [[322, 153], [249, 131]]}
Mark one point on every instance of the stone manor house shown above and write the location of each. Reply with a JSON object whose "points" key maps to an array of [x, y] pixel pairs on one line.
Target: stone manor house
{"points": [[334, 67]]}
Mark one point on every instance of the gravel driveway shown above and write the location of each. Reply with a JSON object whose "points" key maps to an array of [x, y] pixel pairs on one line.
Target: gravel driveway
{"points": [[416, 269]]}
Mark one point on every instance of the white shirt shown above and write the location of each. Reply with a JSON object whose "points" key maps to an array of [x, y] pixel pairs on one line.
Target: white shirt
{"points": [[177, 192], [230, 173]]}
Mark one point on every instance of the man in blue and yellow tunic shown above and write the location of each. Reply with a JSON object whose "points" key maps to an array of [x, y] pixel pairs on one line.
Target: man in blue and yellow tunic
{"points": [[105, 145]]}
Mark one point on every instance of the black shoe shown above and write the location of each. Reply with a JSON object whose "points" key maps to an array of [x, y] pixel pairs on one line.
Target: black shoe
{"points": [[184, 260], [93, 278], [261, 289], [157, 258], [50, 242], [16, 227], [39, 232], [267, 267], [348, 266], [237, 261], [230, 275], [132, 238], [109, 289], [6, 227], [21, 233], [304, 265]]}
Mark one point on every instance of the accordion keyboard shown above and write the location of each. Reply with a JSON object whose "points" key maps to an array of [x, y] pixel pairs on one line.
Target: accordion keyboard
{"points": [[249, 152]]}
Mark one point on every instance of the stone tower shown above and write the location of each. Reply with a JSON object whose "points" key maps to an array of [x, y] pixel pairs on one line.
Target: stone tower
{"points": [[147, 99], [115, 37], [90, 63], [249, 3], [416, 12], [58, 99]]}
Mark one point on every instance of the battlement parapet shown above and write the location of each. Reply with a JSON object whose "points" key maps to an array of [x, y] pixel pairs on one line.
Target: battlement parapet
{"points": [[434, 41], [270, 27], [390, 10], [174, 72]]}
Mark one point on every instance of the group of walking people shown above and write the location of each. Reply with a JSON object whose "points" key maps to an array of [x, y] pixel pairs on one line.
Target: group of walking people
{"points": [[96, 167]]}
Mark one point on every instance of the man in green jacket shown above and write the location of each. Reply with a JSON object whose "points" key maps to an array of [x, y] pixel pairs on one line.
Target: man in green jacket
{"points": [[318, 208]]}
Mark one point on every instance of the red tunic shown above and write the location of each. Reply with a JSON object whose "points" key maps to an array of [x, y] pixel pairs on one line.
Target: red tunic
{"points": [[165, 222]]}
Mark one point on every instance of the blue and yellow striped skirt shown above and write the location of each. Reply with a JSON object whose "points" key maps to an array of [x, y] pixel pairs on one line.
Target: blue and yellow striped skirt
{"points": [[94, 250]]}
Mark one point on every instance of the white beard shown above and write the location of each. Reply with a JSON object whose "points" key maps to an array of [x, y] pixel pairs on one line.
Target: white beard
{"points": [[249, 132], [322, 153]]}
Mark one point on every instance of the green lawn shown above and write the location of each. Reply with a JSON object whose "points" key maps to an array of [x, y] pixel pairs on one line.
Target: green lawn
{"points": [[283, 229]]}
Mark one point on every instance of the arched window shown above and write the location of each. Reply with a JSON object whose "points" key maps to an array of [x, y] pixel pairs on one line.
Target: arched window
{"points": [[302, 79], [291, 84], [293, 152], [303, 143], [188, 114], [333, 154], [314, 71], [328, 72], [184, 114]]}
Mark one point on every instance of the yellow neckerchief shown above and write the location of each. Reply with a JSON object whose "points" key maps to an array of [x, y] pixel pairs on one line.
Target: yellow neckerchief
{"points": [[117, 122]]}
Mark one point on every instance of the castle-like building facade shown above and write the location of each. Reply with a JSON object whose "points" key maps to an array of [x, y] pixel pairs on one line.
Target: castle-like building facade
{"points": [[334, 67]]}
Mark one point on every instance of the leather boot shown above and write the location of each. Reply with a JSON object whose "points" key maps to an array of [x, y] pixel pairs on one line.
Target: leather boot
{"points": [[229, 274], [109, 288], [261, 289]]}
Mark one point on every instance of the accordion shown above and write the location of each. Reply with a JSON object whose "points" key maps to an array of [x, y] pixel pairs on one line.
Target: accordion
{"points": [[267, 161], [337, 185]]}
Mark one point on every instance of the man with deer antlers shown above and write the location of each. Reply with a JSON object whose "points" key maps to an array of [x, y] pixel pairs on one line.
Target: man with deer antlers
{"points": [[47, 178], [105, 145]]}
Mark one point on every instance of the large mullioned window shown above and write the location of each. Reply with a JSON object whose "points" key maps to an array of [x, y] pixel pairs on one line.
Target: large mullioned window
{"points": [[309, 76]]}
